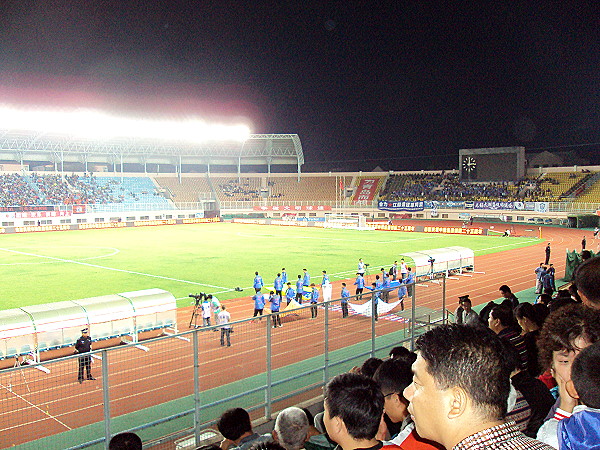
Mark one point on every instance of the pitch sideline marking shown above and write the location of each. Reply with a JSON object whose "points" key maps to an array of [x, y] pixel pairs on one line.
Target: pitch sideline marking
{"points": [[37, 407], [114, 252], [114, 269]]}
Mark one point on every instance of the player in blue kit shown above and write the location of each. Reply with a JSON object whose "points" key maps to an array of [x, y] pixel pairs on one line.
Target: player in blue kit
{"points": [[360, 285], [305, 278], [290, 293], [278, 285], [259, 303], [275, 301], [345, 295], [314, 298], [284, 276], [258, 282], [299, 289]]}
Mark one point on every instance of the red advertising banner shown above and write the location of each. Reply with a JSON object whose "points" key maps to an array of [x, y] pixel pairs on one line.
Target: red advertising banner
{"points": [[293, 208], [367, 188]]}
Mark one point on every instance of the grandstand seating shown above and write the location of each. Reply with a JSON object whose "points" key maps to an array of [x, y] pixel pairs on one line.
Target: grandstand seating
{"points": [[555, 184], [308, 188], [188, 190], [132, 190], [592, 193]]}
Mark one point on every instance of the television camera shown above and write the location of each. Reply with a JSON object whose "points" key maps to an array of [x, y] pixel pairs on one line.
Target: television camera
{"points": [[198, 297]]}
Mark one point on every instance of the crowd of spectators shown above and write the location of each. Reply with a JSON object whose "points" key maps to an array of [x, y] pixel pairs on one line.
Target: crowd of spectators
{"points": [[38, 189], [448, 187]]}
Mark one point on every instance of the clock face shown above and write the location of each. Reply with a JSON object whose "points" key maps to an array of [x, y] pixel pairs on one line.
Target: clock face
{"points": [[469, 164]]}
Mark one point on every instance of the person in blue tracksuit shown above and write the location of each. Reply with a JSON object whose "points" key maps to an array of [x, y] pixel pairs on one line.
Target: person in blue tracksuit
{"points": [[314, 298], [278, 285], [275, 300], [290, 293], [259, 303], [345, 295], [284, 276], [299, 289], [385, 285], [402, 292], [258, 282], [305, 278], [360, 285]]}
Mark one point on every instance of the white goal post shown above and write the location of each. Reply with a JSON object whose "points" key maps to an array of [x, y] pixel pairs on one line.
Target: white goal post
{"points": [[348, 221]]}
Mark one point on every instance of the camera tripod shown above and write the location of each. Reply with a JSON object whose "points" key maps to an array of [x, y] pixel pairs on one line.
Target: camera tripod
{"points": [[17, 364], [195, 313]]}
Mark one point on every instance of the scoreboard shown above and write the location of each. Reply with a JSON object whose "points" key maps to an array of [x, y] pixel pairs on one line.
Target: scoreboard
{"points": [[492, 164]]}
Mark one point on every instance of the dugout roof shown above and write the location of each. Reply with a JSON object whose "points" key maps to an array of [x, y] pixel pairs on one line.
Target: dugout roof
{"points": [[258, 149], [445, 259]]}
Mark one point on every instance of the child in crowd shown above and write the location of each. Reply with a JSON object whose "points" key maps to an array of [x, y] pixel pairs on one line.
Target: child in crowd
{"points": [[582, 429]]}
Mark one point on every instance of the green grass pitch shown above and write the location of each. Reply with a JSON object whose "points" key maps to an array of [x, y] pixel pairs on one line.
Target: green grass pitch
{"points": [[212, 258]]}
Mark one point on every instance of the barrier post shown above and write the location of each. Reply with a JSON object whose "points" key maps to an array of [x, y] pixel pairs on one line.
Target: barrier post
{"points": [[373, 312], [326, 349], [413, 316], [444, 317], [197, 422], [106, 398], [269, 390]]}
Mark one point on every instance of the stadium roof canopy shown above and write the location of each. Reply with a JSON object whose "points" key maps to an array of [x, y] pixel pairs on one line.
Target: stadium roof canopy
{"points": [[88, 136], [258, 149]]}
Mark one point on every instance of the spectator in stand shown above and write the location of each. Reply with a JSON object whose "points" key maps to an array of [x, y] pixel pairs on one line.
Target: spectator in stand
{"points": [[125, 441], [353, 410], [530, 320], [403, 354], [369, 367], [236, 428], [582, 429], [508, 295], [393, 376], [460, 389], [534, 394], [587, 280], [565, 333], [502, 322], [465, 313], [291, 428]]}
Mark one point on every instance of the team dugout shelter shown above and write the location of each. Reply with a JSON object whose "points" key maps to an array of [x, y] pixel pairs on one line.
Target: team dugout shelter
{"points": [[446, 260], [30, 330]]}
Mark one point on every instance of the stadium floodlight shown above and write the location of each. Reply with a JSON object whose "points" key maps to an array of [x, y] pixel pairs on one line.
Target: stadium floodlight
{"points": [[93, 124]]}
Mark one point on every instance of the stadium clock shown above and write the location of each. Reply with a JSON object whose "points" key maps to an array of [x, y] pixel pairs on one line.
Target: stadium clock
{"points": [[469, 164]]}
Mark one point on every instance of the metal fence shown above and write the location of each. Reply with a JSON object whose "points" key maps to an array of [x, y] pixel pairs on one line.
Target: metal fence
{"points": [[172, 386]]}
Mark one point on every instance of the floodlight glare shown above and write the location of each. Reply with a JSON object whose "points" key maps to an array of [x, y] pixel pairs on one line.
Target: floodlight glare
{"points": [[92, 124]]}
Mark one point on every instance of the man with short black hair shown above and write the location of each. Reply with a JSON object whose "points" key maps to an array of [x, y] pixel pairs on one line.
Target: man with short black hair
{"points": [[506, 293], [235, 426], [353, 410], [587, 280], [460, 389]]}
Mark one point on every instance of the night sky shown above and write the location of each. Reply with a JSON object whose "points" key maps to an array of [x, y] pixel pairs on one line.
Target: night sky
{"points": [[402, 85]]}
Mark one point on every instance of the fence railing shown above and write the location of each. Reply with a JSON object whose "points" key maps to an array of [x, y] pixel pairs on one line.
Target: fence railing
{"points": [[177, 385]]}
